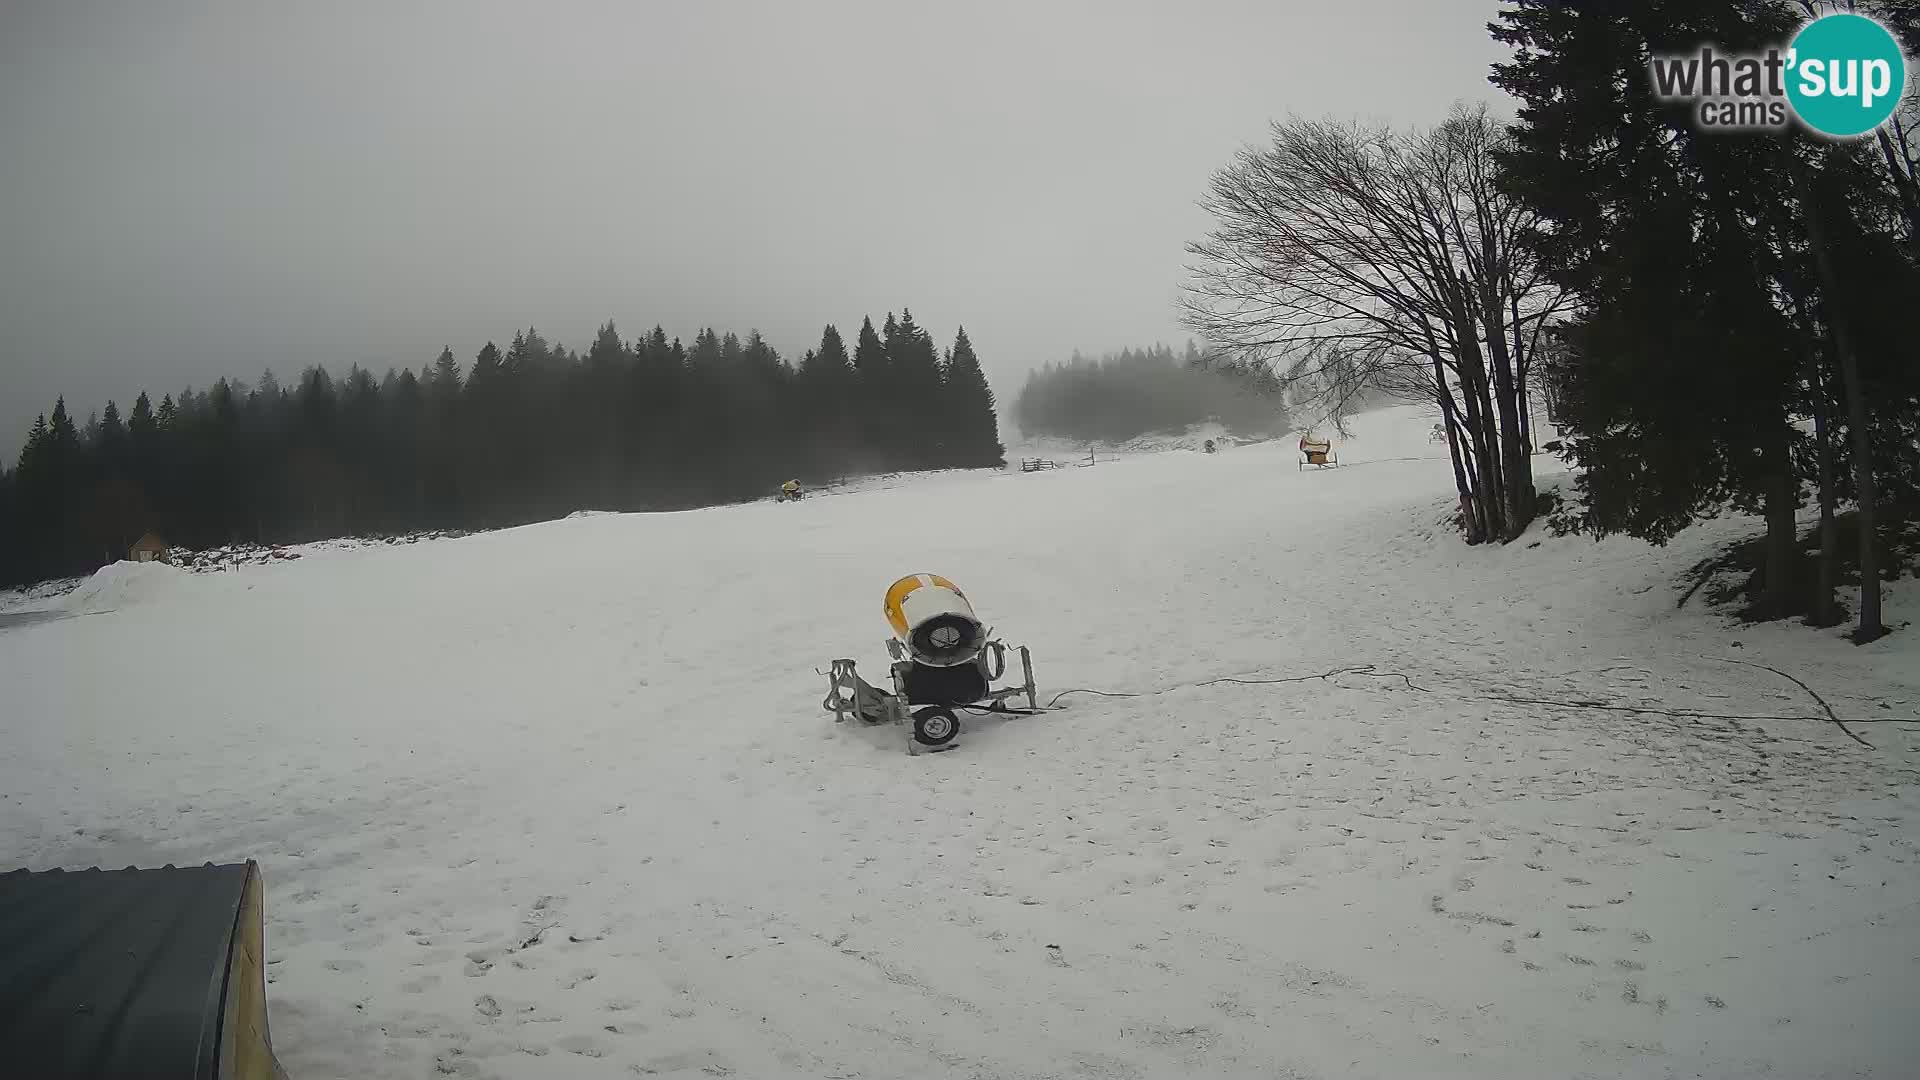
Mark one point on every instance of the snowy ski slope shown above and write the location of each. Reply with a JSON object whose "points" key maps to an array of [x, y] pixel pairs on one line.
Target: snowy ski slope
{"points": [[559, 801]]}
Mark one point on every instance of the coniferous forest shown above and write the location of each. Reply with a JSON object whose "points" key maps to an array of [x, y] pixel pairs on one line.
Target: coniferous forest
{"points": [[517, 434], [1145, 391]]}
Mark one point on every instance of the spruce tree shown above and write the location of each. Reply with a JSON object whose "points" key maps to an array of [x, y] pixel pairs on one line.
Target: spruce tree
{"points": [[32, 454], [608, 352], [403, 484], [405, 396], [112, 431], [519, 359], [828, 393], [62, 438], [485, 413], [913, 363], [651, 439], [546, 354], [974, 439], [60, 464], [761, 358], [879, 417], [760, 390], [445, 377], [1682, 376], [318, 404], [831, 357], [36, 482], [486, 368], [705, 353], [869, 354], [140, 422], [657, 350], [828, 374]]}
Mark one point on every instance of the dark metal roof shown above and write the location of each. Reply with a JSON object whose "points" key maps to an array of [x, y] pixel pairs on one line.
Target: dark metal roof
{"points": [[115, 973]]}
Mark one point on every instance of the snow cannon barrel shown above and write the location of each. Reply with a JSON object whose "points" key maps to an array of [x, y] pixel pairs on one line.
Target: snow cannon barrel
{"points": [[931, 616]]}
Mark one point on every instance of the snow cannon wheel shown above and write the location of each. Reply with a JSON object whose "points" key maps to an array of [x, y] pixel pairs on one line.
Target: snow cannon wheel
{"points": [[935, 725]]}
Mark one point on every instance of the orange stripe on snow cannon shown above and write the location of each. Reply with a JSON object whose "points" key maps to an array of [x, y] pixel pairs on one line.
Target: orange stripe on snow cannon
{"points": [[932, 618]]}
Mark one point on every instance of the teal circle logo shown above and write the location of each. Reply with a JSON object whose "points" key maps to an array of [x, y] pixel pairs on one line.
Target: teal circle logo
{"points": [[1845, 75]]}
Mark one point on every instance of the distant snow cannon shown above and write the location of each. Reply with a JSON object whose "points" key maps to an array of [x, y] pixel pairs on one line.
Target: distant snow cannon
{"points": [[945, 659]]}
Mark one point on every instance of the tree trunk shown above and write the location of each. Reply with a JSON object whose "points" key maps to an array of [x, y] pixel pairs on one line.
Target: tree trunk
{"points": [[1823, 609], [1478, 468], [1526, 428], [1518, 491], [1783, 539], [1489, 488], [1870, 627], [1522, 378], [1471, 520]]}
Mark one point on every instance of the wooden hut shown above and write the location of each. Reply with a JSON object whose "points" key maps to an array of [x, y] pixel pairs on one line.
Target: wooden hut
{"points": [[150, 548]]}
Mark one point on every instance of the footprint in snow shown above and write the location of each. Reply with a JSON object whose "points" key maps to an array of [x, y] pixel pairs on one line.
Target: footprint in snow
{"points": [[584, 1045], [623, 1029]]}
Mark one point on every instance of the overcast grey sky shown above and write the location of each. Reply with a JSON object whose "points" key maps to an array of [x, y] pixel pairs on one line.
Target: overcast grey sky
{"points": [[197, 189]]}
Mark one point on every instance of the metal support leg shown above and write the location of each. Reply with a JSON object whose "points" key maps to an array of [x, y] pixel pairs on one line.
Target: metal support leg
{"points": [[900, 696], [843, 698], [1026, 668]]}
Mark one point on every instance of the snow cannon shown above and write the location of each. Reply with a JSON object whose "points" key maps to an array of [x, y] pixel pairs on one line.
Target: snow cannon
{"points": [[932, 620], [945, 660]]}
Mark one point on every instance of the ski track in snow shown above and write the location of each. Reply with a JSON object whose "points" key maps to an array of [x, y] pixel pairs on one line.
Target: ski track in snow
{"points": [[559, 801]]}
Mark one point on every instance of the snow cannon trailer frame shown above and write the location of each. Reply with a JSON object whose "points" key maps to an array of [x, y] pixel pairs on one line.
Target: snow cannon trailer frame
{"points": [[944, 661], [928, 700]]}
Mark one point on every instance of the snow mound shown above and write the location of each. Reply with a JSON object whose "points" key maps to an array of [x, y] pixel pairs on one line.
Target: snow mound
{"points": [[123, 584], [35, 597]]}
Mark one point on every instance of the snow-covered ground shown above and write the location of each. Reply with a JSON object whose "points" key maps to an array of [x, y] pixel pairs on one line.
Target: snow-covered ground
{"points": [[559, 801], [1069, 451]]}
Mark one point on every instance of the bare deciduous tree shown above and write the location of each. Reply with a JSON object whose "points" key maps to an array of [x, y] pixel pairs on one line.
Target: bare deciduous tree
{"points": [[1351, 258]]}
